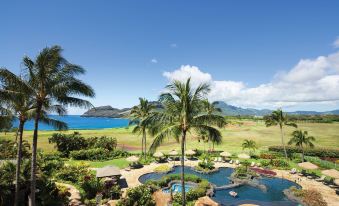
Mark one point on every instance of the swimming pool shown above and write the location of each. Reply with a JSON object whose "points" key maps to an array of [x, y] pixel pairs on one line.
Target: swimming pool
{"points": [[246, 194], [176, 187]]}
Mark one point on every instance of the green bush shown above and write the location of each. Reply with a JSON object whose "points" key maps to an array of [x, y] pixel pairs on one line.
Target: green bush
{"points": [[67, 143], [321, 163], [318, 152], [265, 163], [90, 154], [8, 149], [206, 164], [73, 173], [141, 195], [279, 163], [91, 187], [108, 143]]}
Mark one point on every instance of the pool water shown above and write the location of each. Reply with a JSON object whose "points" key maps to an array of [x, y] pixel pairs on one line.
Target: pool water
{"points": [[246, 194], [178, 188]]}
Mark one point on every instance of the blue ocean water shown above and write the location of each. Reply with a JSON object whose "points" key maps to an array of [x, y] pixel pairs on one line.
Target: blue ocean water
{"points": [[78, 122]]}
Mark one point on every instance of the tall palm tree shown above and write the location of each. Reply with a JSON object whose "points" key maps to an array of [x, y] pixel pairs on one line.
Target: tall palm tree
{"points": [[18, 98], [139, 115], [281, 119], [211, 109], [54, 82], [301, 138], [249, 144], [182, 112]]}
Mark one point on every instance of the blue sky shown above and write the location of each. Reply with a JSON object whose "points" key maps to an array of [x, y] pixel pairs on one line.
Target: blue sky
{"points": [[241, 47]]}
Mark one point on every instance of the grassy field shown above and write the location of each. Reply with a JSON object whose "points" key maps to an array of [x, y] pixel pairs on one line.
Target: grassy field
{"points": [[326, 134]]}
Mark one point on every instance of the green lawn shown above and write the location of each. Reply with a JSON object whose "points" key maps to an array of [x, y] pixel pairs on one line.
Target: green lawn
{"points": [[326, 135]]}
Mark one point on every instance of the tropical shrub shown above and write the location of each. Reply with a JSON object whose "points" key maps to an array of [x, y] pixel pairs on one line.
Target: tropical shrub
{"points": [[90, 154], [279, 163], [104, 142], [265, 163], [321, 163], [73, 173], [206, 164], [66, 143], [8, 149], [310, 197], [318, 151], [90, 186], [141, 195], [162, 169]]}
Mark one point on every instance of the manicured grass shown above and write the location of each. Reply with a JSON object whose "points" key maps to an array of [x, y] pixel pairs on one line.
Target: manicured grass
{"points": [[326, 135], [121, 163]]}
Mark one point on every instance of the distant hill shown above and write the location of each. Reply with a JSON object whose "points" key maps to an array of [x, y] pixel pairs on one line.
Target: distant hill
{"points": [[229, 110], [111, 112]]}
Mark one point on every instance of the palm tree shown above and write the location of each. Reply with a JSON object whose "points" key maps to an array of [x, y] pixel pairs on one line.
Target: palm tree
{"points": [[211, 109], [54, 83], [139, 115], [249, 144], [301, 138], [18, 98], [182, 112], [281, 119]]}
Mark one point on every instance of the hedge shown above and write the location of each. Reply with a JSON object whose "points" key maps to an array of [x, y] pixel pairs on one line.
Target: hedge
{"points": [[97, 154], [319, 152]]}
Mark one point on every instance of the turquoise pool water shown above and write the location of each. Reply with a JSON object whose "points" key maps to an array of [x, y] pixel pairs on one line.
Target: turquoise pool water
{"points": [[178, 188], [246, 194]]}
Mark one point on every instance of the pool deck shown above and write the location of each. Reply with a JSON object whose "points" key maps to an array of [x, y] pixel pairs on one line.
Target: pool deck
{"points": [[332, 199]]}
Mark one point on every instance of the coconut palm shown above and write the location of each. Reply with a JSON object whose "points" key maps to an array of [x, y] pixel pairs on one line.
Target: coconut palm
{"points": [[211, 109], [138, 116], [249, 144], [183, 112], [54, 83], [17, 95], [300, 139], [281, 119]]}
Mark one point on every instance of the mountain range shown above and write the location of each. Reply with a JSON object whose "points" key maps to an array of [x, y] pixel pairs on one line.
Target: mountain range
{"points": [[229, 110]]}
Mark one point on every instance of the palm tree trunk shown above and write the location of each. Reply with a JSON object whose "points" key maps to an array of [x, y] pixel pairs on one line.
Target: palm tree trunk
{"points": [[142, 145], [183, 140], [283, 141], [302, 154], [145, 147], [18, 163], [34, 154]]}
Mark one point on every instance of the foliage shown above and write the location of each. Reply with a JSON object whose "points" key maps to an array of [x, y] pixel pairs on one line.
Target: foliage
{"points": [[310, 197], [249, 144], [278, 163], [92, 148], [318, 152], [49, 192], [73, 173], [90, 186], [108, 143], [67, 143], [90, 154], [281, 119], [163, 169], [321, 163], [206, 163], [300, 139], [8, 149], [138, 116], [5, 123], [141, 195]]}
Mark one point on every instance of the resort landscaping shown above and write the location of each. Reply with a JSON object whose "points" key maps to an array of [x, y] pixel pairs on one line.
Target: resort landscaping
{"points": [[180, 150]]}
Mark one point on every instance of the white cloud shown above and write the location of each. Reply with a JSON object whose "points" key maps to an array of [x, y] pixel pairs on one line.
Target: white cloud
{"points": [[174, 45], [154, 61], [309, 81], [336, 43]]}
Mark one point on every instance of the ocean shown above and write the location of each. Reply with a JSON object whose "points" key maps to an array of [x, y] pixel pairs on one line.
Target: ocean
{"points": [[78, 122]]}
